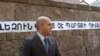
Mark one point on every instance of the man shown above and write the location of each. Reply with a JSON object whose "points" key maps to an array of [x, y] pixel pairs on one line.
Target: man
{"points": [[41, 44]]}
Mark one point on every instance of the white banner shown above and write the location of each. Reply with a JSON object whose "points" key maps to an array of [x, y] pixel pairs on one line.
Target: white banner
{"points": [[75, 25], [17, 26], [28, 26]]}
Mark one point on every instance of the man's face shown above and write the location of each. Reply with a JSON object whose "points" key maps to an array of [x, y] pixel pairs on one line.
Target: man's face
{"points": [[46, 27]]}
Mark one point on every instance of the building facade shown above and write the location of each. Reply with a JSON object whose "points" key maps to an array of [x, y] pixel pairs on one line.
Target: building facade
{"points": [[69, 1]]}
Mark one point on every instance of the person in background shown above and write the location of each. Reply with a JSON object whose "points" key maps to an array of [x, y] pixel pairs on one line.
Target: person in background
{"points": [[41, 44]]}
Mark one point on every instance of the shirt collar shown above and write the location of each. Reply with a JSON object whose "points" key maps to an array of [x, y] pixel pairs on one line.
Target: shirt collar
{"points": [[41, 36]]}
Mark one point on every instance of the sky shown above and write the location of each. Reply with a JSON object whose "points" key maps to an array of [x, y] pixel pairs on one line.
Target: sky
{"points": [[89, 1]]}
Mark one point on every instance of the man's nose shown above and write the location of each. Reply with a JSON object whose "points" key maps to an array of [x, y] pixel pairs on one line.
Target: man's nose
{"points": [[51, 27]]}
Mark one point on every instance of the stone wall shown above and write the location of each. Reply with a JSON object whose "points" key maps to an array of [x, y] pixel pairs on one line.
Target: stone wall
{"points": [[69, 1], [71, 42]]}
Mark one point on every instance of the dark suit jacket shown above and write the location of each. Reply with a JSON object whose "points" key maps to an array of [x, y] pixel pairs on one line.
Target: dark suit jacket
{"points": [[34, 47]]}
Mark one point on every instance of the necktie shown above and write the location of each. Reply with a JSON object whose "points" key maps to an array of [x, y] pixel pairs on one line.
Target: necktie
{"points": [[46, 44]]}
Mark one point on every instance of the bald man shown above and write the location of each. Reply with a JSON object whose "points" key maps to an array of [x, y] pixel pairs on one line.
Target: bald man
{"points": [[40, 44]]}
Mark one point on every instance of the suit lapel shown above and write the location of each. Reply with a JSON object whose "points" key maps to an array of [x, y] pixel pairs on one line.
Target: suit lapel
{"points": [[39, 43], [50, 46]]}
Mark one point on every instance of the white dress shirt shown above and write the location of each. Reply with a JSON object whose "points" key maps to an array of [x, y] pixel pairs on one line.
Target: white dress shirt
{"points": [[41, 37]]}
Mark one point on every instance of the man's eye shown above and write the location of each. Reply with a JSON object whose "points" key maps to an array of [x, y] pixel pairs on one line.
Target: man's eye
{"points": [[49, 24]]}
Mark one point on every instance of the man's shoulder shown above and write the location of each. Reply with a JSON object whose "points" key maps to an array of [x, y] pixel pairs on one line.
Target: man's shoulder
{"points": [[29, 38], [52, 39]]}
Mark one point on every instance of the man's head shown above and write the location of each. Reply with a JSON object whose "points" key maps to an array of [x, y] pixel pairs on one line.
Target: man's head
{"points": [[43, 25]]}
